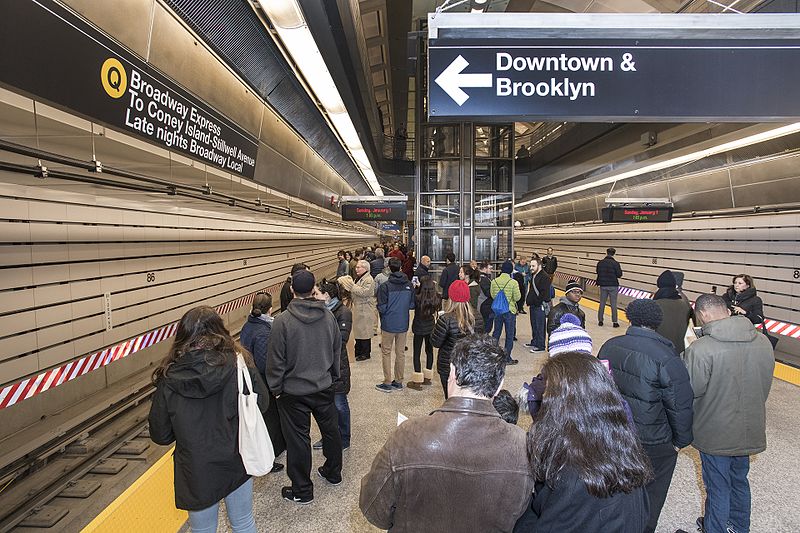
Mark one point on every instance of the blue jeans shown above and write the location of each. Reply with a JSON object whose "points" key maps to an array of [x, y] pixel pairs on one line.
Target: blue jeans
{"points": [[343, 408], [239, 505], [509, 320], [727, 493], [537, 326]]}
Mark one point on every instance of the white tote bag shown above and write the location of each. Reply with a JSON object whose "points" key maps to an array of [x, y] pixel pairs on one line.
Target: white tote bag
{"points": [[255, 446]]}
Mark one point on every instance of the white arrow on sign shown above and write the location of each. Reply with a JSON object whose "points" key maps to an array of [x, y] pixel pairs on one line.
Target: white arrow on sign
{"points": [[451, 80]]}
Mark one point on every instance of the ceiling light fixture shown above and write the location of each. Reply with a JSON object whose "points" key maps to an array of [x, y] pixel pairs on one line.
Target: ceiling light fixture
{"points": [[688, 158], [299, 43]]}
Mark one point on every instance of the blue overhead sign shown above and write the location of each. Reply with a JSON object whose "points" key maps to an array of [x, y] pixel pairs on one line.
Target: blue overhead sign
{"points": [[528, 77], [390, 227]]}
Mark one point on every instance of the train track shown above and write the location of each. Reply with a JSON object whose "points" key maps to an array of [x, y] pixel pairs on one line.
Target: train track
{"points": [[60, 467]]}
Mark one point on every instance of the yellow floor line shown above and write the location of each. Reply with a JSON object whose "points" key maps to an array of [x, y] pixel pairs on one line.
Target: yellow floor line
{"points": [[147, 506], [783, 372]]}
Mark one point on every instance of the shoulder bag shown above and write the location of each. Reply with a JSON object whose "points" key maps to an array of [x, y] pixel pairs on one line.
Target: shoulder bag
{"points": [[255, 446]]}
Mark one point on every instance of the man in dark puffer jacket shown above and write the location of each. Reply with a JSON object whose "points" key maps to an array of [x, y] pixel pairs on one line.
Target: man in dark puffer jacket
{"points": [[655, 383]]}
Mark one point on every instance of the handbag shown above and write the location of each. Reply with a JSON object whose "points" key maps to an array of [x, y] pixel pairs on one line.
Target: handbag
{"points": [[771, 338], [255, 446]]}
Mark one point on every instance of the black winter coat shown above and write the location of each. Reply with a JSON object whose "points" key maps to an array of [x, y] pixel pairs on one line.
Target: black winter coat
{"points": [[485, 283], [747, 300], [542, 283], [655, 383], [421, 325], [608, 272], [376, 266], [286, 293], [449, 275], [559, 310], [344, 318], [196, 407], [255, 338], [568, 507], [445, 335], [421, 271]]}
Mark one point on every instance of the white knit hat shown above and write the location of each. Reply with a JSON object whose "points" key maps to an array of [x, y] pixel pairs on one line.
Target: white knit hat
{"points": [[569, 336]]}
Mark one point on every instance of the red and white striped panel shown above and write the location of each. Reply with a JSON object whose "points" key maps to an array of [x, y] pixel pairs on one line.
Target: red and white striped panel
{"points": [[782, 328], [635, 293], [29, 387]]}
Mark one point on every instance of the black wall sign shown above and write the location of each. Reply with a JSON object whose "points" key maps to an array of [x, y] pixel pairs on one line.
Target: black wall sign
{"points": [[748, 80], [54, 55], [375, 211], [637, 214]]}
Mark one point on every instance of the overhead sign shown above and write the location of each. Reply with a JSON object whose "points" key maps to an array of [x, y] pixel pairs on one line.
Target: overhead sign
{"points": [[374, 212], [637, 214], [390, 227], [73, 65], [611, 79]]}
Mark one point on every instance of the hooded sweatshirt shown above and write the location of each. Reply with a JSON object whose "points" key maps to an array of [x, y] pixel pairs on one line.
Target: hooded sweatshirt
{"points": [[730, 369], [304, 349], [196, 406]]}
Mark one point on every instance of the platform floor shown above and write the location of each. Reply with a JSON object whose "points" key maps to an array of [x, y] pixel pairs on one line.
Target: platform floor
{"points": [[773, 475]]}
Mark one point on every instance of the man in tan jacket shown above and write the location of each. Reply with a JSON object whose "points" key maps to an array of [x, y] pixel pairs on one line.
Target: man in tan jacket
{"points": [[476, 477]]}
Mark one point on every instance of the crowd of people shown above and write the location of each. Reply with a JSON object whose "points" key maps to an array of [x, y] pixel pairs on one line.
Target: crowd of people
{"points": [[607, 424]]}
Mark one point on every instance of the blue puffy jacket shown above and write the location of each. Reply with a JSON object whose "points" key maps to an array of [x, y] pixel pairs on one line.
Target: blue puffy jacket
{"points": [[395, 300]]}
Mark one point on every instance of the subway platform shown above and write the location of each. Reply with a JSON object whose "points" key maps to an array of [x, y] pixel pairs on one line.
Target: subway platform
{"points": [[773, 474]]}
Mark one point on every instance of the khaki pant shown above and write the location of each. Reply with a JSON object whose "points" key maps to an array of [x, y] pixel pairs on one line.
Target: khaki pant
{"points": [[399, 341]]}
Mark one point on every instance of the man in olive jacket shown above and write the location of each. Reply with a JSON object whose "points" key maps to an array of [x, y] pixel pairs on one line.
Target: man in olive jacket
{"points": [[730, 368], [476, 478]]}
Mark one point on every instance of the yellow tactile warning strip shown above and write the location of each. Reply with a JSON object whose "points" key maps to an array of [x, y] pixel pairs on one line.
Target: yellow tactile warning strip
{"points": [[147, 506], [787, 373], [783, 372]]}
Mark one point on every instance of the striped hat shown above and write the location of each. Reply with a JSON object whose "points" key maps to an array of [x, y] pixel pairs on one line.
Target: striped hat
{"points": [[569, 336]]}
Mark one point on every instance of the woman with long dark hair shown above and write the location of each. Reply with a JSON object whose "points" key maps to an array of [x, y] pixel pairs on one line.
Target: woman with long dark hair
{"points": [[742, 299], [457, 322], [196, 407], [589, 467], [427, 304]]}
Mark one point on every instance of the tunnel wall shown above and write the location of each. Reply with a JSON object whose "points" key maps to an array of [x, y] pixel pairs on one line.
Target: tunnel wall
{"points": [[709, 251], [70, 261]]}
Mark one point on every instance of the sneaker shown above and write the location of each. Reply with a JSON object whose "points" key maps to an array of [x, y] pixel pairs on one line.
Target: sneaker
{"points": [[600, 323], [528, 345], [615, 324], [317, 445], [511, 362], [515, 339], [276, 467], [288, 495], [332, 480], [536, 350], [345, 447], [383, 387], [396, 384], [362, 357]]}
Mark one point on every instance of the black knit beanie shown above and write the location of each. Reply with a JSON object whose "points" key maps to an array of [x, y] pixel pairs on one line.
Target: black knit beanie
{"points": [[644, 313]]}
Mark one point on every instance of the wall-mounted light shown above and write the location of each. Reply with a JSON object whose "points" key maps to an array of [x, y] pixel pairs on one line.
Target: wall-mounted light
{"points": [[299, 43], [675, 161]]}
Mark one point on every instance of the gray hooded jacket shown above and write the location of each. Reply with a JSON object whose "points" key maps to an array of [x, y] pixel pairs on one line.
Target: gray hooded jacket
{"points": [[730, 368]]}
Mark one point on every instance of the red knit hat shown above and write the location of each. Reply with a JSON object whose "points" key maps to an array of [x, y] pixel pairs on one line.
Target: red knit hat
{"points": [[458, 291]]}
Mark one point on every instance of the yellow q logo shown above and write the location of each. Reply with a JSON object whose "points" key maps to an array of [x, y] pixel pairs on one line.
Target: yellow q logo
{"points": [[113, 77]]}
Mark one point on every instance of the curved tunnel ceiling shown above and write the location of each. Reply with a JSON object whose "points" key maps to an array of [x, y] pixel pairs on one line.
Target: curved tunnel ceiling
{"points": [[251, 52]]}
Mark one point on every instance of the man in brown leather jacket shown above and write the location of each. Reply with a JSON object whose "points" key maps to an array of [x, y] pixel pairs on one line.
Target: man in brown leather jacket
{"points": [[462, 468]]}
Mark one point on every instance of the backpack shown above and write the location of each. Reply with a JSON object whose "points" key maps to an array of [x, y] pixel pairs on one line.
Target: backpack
{"points": [[500, 303]]}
